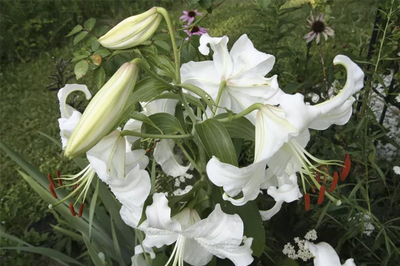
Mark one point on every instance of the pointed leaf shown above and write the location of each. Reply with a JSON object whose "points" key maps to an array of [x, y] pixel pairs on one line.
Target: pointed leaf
{"points": [[81, 69], [80, 36], [89, 24], [75, 30], [168, 124], [216, 141]]}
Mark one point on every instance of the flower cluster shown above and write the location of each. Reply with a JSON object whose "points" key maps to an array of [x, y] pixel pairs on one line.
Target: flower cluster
{"points": [[189, 142], [323, 253], [190, 30]]}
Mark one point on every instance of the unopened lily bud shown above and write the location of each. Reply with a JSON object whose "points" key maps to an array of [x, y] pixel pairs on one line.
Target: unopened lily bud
{"points": [[103, 112], [132, 31]]}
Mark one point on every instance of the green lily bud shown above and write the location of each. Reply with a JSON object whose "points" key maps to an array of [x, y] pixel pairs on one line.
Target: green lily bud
{"points": [[103, 112], [132, 31]]}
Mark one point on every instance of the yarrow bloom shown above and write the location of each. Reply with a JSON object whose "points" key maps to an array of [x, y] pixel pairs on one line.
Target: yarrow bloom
{"points": [[189, 16], [318, 27], [195, 30]]}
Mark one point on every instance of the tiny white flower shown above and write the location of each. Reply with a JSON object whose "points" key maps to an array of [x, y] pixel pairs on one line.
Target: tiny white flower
{"points": [[396, 170]]}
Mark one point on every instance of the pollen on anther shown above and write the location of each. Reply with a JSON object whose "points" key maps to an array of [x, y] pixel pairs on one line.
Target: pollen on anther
{"points": [[321, 194], [59, 177], [51, 180], [334, 181], [81, 210], [307, 201], [71, 209], [52, 191], [318, 177], [346, 168]]}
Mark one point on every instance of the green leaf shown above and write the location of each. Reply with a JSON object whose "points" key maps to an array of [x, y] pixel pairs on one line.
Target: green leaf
{"points": [[200, 92], [141, 117], [93, 207], [95, 45], [117, 249], [216, 141], [240, 128], [89, 24], [167, 123], [80, 37], [81, 68], [163, 45], [102, 30], [263, 4], [103, 52], [75, 30], [147, 89], [51, 253], [205, 3], [93, 253], [99, 77], [160, 64]]}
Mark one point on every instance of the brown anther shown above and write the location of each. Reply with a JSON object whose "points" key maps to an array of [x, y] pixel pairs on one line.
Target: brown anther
{"points": [[307, 201], [52, 191], [59, 177], [71, 209], [51, 180], [318, 177], [81, 210], [346, 168], [313, 189], [334, 181], [321, 194]]}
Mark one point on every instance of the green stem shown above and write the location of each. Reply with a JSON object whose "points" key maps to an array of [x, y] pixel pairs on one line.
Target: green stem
{"points": [[249, 109], [188, 156], [187, 107], [222, 86], [153, 136], [142, 64], [165, 14]]}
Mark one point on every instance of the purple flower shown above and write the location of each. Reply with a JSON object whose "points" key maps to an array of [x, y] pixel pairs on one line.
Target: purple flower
{"points": [[194, 30], [189, 16], [318, 27]]}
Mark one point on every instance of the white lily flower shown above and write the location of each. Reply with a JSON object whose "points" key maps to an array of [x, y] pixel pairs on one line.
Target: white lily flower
{"points": [[235, 180], [282, 188], [325, 255], [69, 116], [115, 165], [234, 79], [293, 117], [196, 240]]}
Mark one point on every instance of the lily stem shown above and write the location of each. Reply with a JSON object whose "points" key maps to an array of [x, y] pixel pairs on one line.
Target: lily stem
{"points": [[165, 14]]}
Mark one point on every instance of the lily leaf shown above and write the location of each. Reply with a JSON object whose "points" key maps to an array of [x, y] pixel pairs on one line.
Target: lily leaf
{"points": [[217, 141]]}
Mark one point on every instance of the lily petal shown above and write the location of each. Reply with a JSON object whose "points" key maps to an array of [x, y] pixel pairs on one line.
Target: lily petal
{"points": [[325, 255], [65, 109], [270, 120], [165, 157], [235, 180], [160, 229]]}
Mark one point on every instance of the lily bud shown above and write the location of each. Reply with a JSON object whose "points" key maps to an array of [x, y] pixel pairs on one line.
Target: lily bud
{"points": [[103, 112], [132, 31]]}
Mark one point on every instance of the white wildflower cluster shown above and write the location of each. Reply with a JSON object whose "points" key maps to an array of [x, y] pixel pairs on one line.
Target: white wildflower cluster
{"points": [[364, 220], [181, 180], [396, 170], [391, 121], [303, 252], [368, 226]]}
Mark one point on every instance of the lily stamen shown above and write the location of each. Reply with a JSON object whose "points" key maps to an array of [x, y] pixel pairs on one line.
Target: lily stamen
{"points": [[71, 209], [51, 180], [52, 191], [321, 194], [346, 168]]}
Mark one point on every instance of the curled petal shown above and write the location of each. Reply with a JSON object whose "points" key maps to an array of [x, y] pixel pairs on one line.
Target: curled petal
{"points": [[221, 58], [221, 234], [63, 93], [268, 214], [235, 180], [67, 126], [324, 254], [160, 229], [288, 189], [165, 157]]}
